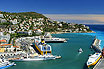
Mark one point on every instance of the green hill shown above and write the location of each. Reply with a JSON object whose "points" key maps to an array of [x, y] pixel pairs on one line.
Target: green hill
{"points": [[28, 14]]}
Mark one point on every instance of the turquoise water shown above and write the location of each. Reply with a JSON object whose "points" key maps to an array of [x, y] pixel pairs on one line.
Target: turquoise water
{"points": [[71, 59]]}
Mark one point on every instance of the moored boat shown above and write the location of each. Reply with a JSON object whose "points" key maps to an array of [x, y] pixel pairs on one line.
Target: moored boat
{"points": [[5, 64], [41, 47], [49, 39], [38, 58], [93, 59]]}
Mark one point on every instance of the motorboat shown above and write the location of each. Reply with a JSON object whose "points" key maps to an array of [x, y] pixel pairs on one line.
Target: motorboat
{"points": [[80, 50]]}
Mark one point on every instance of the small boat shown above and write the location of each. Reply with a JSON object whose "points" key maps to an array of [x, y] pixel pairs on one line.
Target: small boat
{"points": [[5, 64], [93, 59], [80, 50]]}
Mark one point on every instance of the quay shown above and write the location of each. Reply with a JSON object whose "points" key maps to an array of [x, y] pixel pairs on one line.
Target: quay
{"points": [[99, 65], [96, 45]]}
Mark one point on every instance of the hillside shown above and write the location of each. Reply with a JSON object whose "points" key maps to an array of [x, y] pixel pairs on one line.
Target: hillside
{"points": [[30, 21]]}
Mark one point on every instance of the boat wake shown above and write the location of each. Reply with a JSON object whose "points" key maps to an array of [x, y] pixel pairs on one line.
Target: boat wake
{"points": [[79, 53]]}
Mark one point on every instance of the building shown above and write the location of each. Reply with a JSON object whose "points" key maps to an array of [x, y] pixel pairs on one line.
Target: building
{"points": [[1, 15], [1, 33], [30, 32], [8, 48], [3, 41], [37, 31], [14, 21]]}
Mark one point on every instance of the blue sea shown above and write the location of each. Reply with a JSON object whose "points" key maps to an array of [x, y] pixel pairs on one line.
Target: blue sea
{"points": [[71, 59]]}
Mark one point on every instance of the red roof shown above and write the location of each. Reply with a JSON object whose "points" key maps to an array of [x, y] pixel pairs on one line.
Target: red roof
{"points": [[5, 44], [16, 46], [2, 40]]}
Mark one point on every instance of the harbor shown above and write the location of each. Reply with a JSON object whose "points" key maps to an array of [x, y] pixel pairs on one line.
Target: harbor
{"points": [[25, 49], [34, 50], [60, 49]]}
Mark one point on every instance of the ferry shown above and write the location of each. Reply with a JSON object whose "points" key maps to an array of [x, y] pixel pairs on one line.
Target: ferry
{"points": [[93, 59], [54, 40], [5, 64], [41, 47], [37, 58], [49, 39]]}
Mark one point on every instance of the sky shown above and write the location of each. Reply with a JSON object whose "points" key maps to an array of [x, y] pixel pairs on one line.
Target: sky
{"points": [[54, 6], [78, 18], [77, 11]]}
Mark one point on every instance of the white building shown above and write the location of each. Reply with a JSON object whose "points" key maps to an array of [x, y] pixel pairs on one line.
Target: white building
{"points": [[1, 15], [14, 21], [30, 32], [1, 33]]}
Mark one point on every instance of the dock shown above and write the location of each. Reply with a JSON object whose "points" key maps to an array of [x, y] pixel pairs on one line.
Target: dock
{"points": [[99, 65], [96, 45]]}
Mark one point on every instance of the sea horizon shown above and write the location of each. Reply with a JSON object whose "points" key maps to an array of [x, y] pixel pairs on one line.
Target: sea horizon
{"points": [[89, 19]]}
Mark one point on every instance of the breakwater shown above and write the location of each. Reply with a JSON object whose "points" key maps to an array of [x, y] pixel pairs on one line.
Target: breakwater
{"points": [[96, 45]]}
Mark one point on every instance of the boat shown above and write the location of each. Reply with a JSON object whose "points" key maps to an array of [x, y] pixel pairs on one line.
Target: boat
{"points": [[54, 40], [93, 59], [38, 58], [41, 47], [49, 39], [80, 50], [5, 64], [44, 52]]}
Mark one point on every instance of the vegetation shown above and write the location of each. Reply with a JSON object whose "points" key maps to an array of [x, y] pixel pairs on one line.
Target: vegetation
{"points": [[27, 14], [7, 23]]}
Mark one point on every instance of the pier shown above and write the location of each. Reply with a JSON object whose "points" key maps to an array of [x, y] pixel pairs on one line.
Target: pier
{"points": [[96, 45]]}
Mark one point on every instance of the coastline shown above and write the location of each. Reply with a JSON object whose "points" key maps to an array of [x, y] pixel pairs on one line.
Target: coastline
{"points": [[71, 32]]}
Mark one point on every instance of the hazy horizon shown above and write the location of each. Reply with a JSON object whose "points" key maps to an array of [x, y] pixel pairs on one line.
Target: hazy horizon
{"points": [[78, 18]]}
